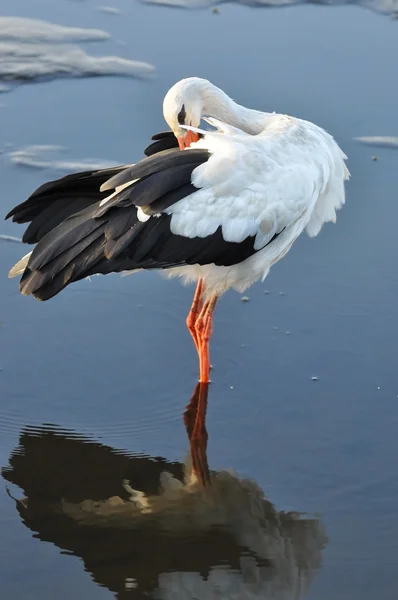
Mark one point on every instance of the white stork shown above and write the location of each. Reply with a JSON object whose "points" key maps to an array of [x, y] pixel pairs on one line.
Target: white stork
{"points": [[221, 212]]}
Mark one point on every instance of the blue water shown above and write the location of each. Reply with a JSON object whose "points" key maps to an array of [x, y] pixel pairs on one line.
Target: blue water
{"points": [[111, 359]]}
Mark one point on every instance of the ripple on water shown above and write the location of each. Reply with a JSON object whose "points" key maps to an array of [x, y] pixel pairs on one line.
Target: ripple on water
{"points": [[142, 426]]}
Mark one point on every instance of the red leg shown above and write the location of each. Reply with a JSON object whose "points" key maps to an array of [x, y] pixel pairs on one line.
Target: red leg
{"points": [[204, 329], [193, 314]]}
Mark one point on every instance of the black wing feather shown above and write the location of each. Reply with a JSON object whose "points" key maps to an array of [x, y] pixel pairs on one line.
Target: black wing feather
{"points": [[86, 179], [170, 198], [35, 277], [116, 246], [53, 214], [164, 135], [58, 240], [123, 220], [160, 145], [153, 188], [74, 271], [153, 164]]}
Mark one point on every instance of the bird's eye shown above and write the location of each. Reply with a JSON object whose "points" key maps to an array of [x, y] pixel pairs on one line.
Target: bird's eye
{"points": [[181, 116]]}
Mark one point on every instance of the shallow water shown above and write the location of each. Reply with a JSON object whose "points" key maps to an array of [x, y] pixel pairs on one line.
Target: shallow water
{"points": [[94, 383]]}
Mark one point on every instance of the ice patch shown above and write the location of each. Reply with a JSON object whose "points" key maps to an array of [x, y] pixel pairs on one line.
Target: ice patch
{"points": [[31, 62], [45, 157], [110, 10], [379, 141], [17, 29], [10, 238], [35, 50]]}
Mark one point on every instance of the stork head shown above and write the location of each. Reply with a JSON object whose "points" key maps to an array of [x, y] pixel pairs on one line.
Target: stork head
{"points": [[183, 105]]}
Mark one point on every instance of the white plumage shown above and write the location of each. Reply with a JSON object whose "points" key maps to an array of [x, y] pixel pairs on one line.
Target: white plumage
{"points": [[286, 178]]}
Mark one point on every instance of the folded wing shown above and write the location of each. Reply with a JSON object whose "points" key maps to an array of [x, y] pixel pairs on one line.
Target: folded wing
{"points": [[218, 203]]}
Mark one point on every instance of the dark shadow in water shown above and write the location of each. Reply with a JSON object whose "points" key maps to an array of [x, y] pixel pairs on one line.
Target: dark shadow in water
{"points": [[147, 527]]}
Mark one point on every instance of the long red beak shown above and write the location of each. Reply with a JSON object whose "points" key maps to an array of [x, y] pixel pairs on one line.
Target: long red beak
{"points": [[186, 141]]}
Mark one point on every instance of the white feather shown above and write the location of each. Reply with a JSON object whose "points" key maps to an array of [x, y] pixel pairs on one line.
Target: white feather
{"points": [[118, 189], [20, 266], [143, 217]]}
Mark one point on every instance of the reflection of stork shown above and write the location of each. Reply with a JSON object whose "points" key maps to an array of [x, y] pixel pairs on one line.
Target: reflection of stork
{"points": [[148, 528]]}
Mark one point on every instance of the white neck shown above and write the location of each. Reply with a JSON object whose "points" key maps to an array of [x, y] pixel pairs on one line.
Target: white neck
{"points": [[219, 105]]}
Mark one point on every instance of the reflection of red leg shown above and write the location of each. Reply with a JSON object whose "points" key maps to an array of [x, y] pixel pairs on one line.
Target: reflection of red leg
{"points": [[191, 410], [196, 307], [195, 423], [204, 329]]}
